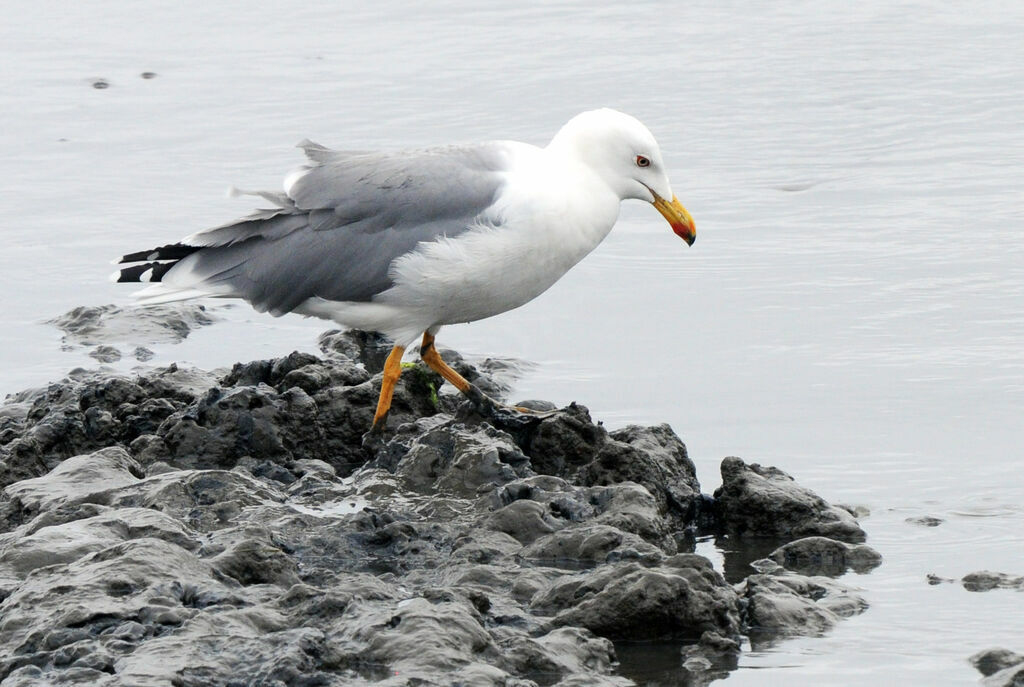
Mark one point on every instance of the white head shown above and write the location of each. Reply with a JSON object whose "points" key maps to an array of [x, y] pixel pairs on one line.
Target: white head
{"points": [[623, 153]]}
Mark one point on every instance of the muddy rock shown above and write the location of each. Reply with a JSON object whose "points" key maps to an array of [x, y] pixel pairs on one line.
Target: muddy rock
{"points": [[187, 527], [1012, 676], [984, 580], [765, 501], [1003, 665], [824, 556], [786, 604], [100, 325], [569, 444], [712, 658], [635, 602]]}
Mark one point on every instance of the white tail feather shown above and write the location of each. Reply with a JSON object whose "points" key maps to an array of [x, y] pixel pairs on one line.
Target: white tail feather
{"points": [[159, 293]]}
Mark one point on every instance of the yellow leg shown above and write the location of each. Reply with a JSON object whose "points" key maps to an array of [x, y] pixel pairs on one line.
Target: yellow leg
{"points": [[392, 371]]}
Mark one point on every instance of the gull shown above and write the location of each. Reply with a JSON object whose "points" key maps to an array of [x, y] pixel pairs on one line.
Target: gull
{"points": [[405, 242]]}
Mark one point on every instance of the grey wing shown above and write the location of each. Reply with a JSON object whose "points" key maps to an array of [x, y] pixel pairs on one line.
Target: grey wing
{"points": [[343, 220]]}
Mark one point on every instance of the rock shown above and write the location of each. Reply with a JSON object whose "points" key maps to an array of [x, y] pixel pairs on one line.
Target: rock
{"points": [[1012, 676], [105, 354], [991, 661], [1001, 668], [632, 602], [189, 528], [143, 354], [765, 501], [74, 480], [790, 604], [154, 324], [653, 457], [593, 544], [712, 658], [984, 580], [925, 521], [459, 460], [824, 556], [934, 579]]}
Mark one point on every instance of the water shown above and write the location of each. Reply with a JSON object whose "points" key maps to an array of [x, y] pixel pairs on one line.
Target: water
{"points": [[853, 309]]}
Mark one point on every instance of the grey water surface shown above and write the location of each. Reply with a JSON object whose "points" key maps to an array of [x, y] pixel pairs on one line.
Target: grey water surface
{"points": [[852, 311]]}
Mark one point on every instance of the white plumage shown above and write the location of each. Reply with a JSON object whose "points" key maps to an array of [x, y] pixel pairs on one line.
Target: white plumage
{"points": [[404, 243]]}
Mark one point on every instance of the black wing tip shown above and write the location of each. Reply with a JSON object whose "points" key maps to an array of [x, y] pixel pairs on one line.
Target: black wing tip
{"points": [[145, 272], [172, 251]]}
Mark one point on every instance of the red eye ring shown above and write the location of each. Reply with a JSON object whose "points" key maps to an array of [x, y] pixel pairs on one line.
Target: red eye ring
{"points": [[642, 161]]}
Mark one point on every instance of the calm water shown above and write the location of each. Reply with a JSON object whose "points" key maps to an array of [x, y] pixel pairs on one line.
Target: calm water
{"points": [[853, 309]]}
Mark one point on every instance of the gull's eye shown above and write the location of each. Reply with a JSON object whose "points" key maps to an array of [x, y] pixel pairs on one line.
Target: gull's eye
{"points": [[642, 161]]}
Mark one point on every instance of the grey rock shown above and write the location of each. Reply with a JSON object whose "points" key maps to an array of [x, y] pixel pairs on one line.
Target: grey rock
{"points": [[985, 580], [765, 501], [568, 444], [789, 604], [105, 354], [925, 521], [460, 461], [992, 661], [1008, 677], [590, 544], [189, 528], [75, 480], [653, 457], [712, 658], [143, 354], [824, 556], [630, 601], [170, 323], [523, 520], [934, 579]]}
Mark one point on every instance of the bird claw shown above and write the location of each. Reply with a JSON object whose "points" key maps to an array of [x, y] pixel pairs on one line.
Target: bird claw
{"points": [[374, 439], [502, 414]]}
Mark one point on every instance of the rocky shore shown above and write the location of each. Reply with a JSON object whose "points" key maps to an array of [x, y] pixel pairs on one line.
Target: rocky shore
{"points": [[182, 527]]}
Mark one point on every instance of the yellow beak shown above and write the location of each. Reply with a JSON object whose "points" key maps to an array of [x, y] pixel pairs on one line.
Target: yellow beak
{"points": [[678, 216]]}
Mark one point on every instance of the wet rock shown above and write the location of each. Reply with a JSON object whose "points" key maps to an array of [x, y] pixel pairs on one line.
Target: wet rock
{"points": [[523, 520], [155, 324], [780, 605], [712, 658], [75, 480], [90, 411], [634, 602], [934, 579], [568, 444], [105, 354], [461, 461], [560, 653], [996, 660], [765, 501], [593, 544], [1012, 676], [369, 349], [143, 354], [984, 580], [925, 521], [824, 556], [653, 457], [189, 528]]}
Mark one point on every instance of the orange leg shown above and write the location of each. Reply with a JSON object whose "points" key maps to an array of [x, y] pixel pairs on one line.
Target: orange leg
{"points": [[392, 371], [429, 355], [433, 360]]}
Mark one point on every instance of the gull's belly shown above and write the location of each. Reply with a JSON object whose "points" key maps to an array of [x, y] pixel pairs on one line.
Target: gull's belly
{"points": [[487, 271]]}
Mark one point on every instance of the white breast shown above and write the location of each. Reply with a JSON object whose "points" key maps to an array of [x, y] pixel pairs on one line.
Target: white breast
{"points": [[552, 213]]}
